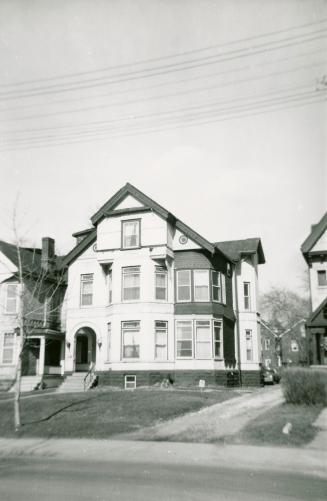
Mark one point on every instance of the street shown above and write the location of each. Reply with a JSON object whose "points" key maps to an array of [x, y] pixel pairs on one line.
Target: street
{"points": [[61, 479]]}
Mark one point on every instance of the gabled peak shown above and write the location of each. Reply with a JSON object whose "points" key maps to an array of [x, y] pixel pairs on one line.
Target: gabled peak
{"points": [[128, 202]]}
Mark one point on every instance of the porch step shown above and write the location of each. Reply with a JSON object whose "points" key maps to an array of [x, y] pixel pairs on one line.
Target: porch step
{"points": [[73, 383], [28, 383]]}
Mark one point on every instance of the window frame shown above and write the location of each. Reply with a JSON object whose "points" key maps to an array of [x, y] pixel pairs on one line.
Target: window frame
{"points": [[11, 347], [109, 278], [127, 382], [214, 286], [8, 299], [160, 329], [190, 286], [134, 220], [194, 285], [196, 357], [246, 344], [324, 272], [82, 282], [109, 335], [247, 296], [124, 273], [267, 343], [123, 330], [220, 323], [160, 270], [179, 357]]}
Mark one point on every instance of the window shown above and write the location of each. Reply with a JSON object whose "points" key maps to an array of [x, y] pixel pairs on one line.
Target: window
{"points": [[184, 285], [109, 341], [267, 362], [217, 328], [161, 332], [322, 278], [216, 286], [110, 286], [130, 382], [11, 298], [184, 336], [249, 350], [131, 234], [203, 339], [8, 348], [201, 285], [161, 283], [131, 339], [267, 344], [247, 302], [294, 346], [87, 289], [223, 288], [131, 283]]}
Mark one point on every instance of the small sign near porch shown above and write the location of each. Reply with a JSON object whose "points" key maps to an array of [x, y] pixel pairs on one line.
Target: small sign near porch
{"points": [[202, 383]]}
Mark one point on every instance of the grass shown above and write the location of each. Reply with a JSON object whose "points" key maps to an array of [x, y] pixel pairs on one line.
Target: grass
{"points": [[102, 414], [266, 429]]}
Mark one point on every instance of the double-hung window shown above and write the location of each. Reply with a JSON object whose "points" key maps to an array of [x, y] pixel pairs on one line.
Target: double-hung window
{"points": [[267, 344], [322, 278], [203, 339], [131, 283], [161, 283], [8, 348], [217, 338], [109, 277], [108, 341], [183, 285], [161, 332], [131, 234], [11, 298], [184, 336], [201, 285], [216, 286], [86, 289], [131, 339], [249, 346], [247, 298]]}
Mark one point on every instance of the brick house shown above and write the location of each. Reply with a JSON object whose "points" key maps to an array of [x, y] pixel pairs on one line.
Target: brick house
{"points": [[314, 250], [44, 346]]}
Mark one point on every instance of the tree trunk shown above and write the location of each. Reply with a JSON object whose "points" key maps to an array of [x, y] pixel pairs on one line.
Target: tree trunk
{"points": [[17, 394]]}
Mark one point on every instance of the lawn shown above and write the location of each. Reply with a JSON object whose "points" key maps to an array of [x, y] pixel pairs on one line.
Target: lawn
{"points": [[102, 414], [266, 429]]}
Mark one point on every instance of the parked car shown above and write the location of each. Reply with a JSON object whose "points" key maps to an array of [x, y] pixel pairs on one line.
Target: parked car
{"points": [[270, 376]]}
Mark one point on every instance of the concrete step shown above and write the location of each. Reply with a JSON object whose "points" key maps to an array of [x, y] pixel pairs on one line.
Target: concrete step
{"points": [[28, 383], [73, 383]]}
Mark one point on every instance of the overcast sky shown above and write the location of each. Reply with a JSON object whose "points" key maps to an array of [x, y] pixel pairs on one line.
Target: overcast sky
{"points": [[213, 108]]}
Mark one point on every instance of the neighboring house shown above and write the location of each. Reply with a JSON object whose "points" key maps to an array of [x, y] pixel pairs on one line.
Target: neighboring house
{"points": [[288, 348], [314, 250], [148, 298], [42, 290]]}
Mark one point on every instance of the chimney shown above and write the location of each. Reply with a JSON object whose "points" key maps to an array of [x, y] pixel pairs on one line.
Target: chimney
{"points": [[48, 253]]}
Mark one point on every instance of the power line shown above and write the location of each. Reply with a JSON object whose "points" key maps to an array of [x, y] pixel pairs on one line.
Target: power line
{"points": [[189, 117], [154, 98], [165, 129], [166, 69]]}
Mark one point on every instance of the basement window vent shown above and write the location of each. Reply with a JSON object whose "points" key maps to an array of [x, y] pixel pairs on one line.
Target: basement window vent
{"points": [[130, 382]]}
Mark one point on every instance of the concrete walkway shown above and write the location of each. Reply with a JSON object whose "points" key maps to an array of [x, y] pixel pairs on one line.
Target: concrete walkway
{"points": [[320, 440], [214, 422]]}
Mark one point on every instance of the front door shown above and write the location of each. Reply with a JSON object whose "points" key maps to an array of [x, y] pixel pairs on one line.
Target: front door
{"points": [[30, 357], [82, 352]]}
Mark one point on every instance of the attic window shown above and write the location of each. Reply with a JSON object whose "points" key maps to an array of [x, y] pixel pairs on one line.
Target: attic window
{"points": [[131, 234], [322, 278]]}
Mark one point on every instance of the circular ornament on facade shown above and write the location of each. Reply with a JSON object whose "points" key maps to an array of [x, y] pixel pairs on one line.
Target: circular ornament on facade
{"points": [[95, 247], [183, 239]]}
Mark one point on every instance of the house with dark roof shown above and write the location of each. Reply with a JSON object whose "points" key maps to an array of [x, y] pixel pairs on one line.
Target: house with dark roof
{"points": [[37, 297], [314, 250], [149, 299]]}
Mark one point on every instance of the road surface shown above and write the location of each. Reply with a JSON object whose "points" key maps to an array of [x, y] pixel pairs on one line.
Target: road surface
{"points": [[53, 479]]}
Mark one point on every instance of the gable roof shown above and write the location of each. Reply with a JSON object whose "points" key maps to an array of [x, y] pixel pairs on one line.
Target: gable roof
{"points": [[236, 249], [108, 207], [317, 318], [316, 232], [31, 258]]}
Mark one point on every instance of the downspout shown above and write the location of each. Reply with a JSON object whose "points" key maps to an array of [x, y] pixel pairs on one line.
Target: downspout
{"points": [[238, 334]]}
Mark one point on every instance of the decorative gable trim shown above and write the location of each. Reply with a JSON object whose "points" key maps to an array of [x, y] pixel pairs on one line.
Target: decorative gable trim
{"points": [[316, 232]]}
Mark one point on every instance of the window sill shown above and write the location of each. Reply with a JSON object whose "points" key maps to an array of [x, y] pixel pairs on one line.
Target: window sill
{"points": [[130, 248]]}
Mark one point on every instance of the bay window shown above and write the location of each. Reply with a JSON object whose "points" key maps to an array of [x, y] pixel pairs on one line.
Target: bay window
{"points": [[131, 339], [86, 298], [131, 283], [161, 283], [201, 285], [183, 285], [249, 347], [217, 339], [216, 286], [247, 298], [109, 286], [184, 337]]}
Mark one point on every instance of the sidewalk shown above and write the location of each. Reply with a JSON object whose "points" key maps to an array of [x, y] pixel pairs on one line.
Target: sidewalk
{"points": [[307, 462]]}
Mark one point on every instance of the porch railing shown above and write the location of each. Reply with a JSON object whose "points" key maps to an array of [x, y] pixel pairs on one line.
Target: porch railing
{"points": [[90, 377]]}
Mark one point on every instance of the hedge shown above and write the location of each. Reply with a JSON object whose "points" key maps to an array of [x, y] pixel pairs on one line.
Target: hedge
{"points": [[305, 386]]}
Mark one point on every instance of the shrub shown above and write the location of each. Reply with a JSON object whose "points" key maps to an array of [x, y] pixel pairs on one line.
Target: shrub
{"points": [[305, 386]]}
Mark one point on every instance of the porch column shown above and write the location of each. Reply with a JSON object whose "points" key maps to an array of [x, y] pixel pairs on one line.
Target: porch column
{"points": [[41, 356]]}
